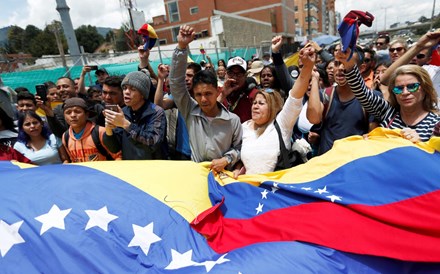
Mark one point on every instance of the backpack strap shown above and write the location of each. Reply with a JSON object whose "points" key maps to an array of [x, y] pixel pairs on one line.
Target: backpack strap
{"points": [[98, 144], [284, 154], [65, 141]]}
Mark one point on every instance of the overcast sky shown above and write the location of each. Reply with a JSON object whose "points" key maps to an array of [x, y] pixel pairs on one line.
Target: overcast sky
{"points": [[109, 13]]}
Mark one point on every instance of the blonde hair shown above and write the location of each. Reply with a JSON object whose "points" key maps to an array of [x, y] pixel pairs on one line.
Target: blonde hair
{"points": [[274, 102], [430, 99]]}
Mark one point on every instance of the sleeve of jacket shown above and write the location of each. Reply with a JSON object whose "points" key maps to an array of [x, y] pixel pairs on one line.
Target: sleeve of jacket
{"points": [[153, 132], [178, 89], [283, 74], [234, 151]]}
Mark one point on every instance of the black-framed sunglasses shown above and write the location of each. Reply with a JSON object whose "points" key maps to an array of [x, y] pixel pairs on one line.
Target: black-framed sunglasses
{"points": [[414, 87], [398, 49]]}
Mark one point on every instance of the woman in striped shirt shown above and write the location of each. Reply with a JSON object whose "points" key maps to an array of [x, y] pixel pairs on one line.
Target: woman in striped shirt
{"points": [[412, 105]]}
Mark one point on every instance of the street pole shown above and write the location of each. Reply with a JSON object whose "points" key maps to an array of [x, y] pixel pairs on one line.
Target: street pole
{"points": [[309, 23], [432, 16]]}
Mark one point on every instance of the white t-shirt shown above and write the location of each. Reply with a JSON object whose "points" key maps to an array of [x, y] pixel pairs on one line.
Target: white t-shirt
{"points": [[259, 154], [48, 154]]}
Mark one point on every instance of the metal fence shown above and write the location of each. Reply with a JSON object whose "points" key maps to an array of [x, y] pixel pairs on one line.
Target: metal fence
{"points": [[30, 72]]}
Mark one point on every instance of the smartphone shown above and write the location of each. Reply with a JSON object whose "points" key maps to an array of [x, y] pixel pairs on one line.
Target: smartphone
{"points": [[93, 67], [41, 91], [112, 107]]}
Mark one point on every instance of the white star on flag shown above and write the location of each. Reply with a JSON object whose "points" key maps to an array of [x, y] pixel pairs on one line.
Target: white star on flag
{"points": [[9, 236], [322, 190], [100, 218], [275, 184], [274, 189], [53, 218], [210, 264], [259, 208], [306, 188], [144, 237], [180, 260], [264, 194], [333, 198]]}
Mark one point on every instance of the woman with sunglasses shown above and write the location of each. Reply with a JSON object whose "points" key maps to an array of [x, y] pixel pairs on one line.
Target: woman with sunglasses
{"points": [[412, 105], [261, 147], [397, 48]]}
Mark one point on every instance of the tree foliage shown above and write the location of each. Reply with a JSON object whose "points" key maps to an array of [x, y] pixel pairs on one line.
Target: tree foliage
{"points": [[121, 41], [89, 38], [34, 40]]}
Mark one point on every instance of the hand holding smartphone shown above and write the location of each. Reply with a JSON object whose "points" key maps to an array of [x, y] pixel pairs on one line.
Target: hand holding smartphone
{"points": [[41, 91], [93, 67], [112, 107]]}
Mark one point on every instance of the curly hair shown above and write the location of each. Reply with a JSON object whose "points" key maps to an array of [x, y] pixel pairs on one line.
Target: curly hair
{"points": [[23, 137], [430, 99]]}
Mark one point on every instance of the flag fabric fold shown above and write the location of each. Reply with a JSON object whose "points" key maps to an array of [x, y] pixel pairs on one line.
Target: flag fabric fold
{"points": [[381, 205], [134, 216]]}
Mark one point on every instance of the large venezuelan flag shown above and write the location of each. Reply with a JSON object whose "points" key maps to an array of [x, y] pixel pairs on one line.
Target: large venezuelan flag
{"points": [[364, 207]]}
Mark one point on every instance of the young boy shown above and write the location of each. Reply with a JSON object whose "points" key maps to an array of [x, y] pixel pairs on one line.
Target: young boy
{"points": [[214, 132], [78, 140]]}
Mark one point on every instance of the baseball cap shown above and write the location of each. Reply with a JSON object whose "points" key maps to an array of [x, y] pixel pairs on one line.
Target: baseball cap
{"points": [[101, 70], [237, 61], [256, 67]]}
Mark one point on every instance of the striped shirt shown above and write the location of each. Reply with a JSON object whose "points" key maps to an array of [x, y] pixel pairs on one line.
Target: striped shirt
{"points": [[388, 115]]}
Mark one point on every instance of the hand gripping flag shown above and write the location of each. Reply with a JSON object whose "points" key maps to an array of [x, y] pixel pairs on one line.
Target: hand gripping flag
{"points": [[149, 36], [134, 216], [349, 28]]}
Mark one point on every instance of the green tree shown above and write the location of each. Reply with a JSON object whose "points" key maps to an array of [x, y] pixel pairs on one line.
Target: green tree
{"points": [[44, 44], [89, 38], [121, 41], [16, 39], [110, 36], [423, 19]]}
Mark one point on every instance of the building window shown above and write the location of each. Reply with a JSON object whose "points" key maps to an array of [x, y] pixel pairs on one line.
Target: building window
{"points": [[173, 11], [162, 41], [205, 33], [296, 8], [194, 10], [175, 33]]}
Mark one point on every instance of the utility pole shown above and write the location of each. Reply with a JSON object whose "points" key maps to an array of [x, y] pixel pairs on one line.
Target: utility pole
{"points": [[129, 5], [432, 16], [309, 23], [63, 9], [55, 28]]}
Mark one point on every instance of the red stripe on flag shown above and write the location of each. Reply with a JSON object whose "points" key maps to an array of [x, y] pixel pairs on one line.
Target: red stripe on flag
{"points": [[406, 230]]}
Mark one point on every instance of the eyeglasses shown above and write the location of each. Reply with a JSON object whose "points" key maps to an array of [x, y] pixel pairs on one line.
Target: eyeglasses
{"points": [[420, 56], [398, 49], [410, 88], [235, 74], [379, 43], [367, 60]]}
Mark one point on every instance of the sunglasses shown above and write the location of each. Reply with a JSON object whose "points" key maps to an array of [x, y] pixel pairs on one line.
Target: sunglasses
{"points": [[420, 56], [410, 87], [399, 49]]}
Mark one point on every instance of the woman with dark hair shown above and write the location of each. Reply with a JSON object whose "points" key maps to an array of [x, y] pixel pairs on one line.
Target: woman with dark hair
{"points": [[8, 137], [221, 62], [35, 141]]}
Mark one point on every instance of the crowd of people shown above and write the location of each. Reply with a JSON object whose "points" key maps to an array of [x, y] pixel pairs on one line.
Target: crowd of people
{"points": [[240, 115]]}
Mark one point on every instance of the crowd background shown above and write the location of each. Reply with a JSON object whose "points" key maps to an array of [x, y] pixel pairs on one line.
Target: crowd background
{"points": [[220, 110]]}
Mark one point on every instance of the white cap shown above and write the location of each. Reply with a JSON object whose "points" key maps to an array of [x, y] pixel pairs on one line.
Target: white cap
{"points": [[237, 61]]}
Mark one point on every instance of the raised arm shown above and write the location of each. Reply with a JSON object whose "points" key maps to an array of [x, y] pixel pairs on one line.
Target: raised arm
{"points": [[286, 80], [144, 62], [162, 73], [428, 40], [308, 58]]}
